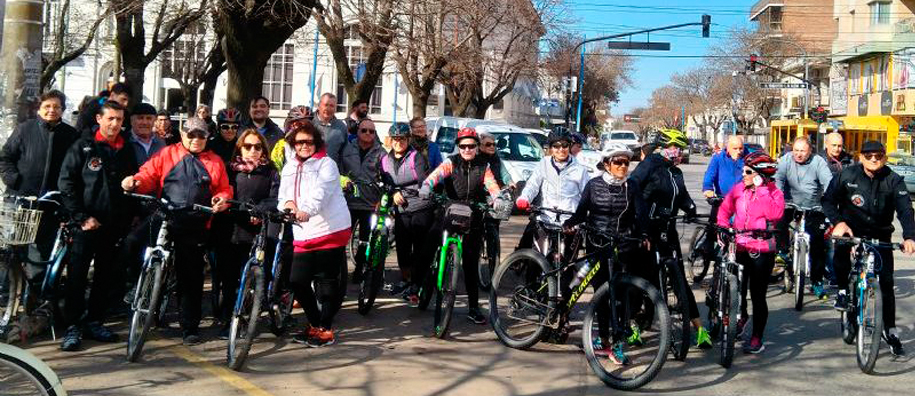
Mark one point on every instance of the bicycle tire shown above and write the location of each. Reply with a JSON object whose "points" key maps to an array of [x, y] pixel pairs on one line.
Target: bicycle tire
{"points": [[870, 310], [352, 247], [32, 380], [149, 288], [674, 291], [849, 333], [506, 298], [170, 283], [427, 287], [729, 324], [444, 298], [243, 327], [800, 276], [488, 261], [712, 301], [695, 260], [627, 282], [372, 273]]}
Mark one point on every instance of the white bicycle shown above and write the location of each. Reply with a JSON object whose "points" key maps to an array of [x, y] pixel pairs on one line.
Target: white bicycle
{"points": [[21, 373]]}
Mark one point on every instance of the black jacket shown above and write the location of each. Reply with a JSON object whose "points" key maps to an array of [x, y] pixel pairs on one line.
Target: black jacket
{"points": [[90, 180], [466, 181], [272, 132], [619, 209], [86, 122], [223, 148], [837, 165], [30, 160], [495, 165], [260, 187], [867, 204], [662, 187]]}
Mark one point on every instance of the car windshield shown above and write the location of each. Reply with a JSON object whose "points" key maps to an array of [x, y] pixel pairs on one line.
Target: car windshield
{"points": [[445, 139], [622, 136], [518, 147]]}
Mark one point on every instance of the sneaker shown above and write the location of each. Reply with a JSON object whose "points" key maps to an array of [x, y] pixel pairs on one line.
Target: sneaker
{"points": [[781, 259], [130, 295], [703, 340], [601, 348], [618, 354], [413, 300], [303, 337], [755, 346], [819, 291], [841, 300], [72, 340], [224, 333], [399, 288], [321, 338], [741, 325], [893, 341], [635, 338], [191, 338], [475, 316], [95, 331]]}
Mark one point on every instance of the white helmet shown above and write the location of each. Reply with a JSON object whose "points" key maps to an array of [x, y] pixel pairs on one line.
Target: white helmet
{"points": [[615, 150]]}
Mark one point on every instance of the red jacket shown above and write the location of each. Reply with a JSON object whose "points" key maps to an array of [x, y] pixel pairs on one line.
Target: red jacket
{"points": [[154, 172]]}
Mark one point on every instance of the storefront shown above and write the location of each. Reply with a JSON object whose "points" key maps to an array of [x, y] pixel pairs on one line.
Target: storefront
{"points": [[783, 132]]}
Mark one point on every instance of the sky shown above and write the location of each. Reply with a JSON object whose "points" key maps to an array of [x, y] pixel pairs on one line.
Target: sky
{"points": [[605, 17]]}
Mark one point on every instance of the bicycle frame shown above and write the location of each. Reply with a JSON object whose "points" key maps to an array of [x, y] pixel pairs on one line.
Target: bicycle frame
{"points": [[381, 221], [729, 266], [447, 240]]}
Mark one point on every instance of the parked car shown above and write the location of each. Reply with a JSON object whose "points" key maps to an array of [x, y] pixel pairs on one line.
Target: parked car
{"points": [[753, 147], [591, 159], [701, 146], [542, 136], [624, 137], [903, 163]]}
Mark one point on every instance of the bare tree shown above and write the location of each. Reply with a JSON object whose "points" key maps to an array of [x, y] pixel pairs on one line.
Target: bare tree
{"points": [[665, 107], [706, 95], [70, 38], [193, 60]]}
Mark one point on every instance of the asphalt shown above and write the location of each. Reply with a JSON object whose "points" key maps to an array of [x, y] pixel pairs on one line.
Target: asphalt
{"points": [[388, 352]]}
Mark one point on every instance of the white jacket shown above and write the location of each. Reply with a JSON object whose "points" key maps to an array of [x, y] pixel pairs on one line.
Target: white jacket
{"points": [[314, 187], [560, 190]]}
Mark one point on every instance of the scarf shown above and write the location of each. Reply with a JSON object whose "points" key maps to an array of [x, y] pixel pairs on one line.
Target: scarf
{"points": [[245, 165], [612, 180], [671, 154], [118, 143]]}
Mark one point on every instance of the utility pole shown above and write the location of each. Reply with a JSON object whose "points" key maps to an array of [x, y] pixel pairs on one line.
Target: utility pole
{"points": [[20, 61]]}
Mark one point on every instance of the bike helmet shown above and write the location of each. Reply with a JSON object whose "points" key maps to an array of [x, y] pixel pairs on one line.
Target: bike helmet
{"points": [[615, 150], [559, 136], [761, 162], [399, 129], [228, 116], [578, 138], [467, 133], [667, 137]]}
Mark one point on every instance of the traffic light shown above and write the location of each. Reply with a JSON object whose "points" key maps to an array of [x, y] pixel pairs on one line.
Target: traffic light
{"points": [[706, 22], [751, 63]]}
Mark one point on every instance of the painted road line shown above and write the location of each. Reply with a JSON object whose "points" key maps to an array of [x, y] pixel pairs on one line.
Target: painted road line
{"points": [[224, 374]]}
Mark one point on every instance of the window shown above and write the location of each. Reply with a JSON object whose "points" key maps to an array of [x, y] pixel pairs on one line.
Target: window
{"points": [[187, 55], [517, 147], [356, 58], [278, 78], [775, 19], [880, 12]]}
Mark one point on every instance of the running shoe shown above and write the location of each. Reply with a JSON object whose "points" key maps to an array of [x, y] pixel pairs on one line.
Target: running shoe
{"points": [[635, 339], [618, 354], [755, 346], [703, 340]]}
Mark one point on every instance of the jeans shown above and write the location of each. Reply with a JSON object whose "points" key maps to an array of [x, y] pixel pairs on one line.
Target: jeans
{"points": [[815, 227]]}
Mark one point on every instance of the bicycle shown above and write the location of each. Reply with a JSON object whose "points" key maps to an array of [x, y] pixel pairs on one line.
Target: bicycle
{"points": [[866, 300], [251, 290], [699, 259], [22, 373], [158, 263], [525, 302], [800, 255], [49, 294], [381, 223], [490, 250], [673, 286]]}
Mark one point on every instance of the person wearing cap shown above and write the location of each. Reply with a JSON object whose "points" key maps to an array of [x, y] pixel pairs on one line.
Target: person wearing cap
{"points": [[466, 177], [186, 174], [142, 139], [613, 202], [860, 201], [559, 180], [89, 184]]}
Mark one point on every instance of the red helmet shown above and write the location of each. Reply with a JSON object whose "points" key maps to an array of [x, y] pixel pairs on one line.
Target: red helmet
{"points": [[761, 162], [467, 132]]}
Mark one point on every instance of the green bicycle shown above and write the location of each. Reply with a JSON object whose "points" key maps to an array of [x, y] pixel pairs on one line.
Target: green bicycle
{"points": [[382, 223]]}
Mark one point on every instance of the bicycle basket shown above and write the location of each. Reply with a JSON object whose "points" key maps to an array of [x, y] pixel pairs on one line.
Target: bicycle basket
{"points": [[458, 217], [18, 225]]}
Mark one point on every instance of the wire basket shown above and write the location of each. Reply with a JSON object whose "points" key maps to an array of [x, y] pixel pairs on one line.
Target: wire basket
{"points": [[18, 225]]}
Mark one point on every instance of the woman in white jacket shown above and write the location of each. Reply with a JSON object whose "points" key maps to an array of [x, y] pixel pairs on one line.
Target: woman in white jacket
{"points": [[310, 187]]}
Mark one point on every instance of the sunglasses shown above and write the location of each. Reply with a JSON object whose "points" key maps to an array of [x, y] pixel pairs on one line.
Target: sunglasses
{"points": [[197, 134], [255, 146], [560, 145], [226, 127], [467, 146], [620, 162], [878, 156], [749, 172], [366, 130], [399, 138], [304, 142], [489, 144]]}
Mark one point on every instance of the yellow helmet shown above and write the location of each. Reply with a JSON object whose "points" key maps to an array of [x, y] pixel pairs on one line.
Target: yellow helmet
{"points": [[670, 136]]}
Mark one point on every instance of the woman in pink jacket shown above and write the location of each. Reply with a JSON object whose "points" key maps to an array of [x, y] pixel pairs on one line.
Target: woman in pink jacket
{"points": [[754, 204]]}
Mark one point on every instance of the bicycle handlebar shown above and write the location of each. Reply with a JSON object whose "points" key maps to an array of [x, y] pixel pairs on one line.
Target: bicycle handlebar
{"points": [[810, 209], [605, 234], [871, 242], [285, 216], [541, 209], [163, 203]]}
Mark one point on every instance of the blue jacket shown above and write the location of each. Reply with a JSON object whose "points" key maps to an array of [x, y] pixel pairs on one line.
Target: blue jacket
{"points": [[722, 173]]}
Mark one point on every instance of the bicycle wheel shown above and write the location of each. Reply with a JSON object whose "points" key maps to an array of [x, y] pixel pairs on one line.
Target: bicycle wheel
{"points": [[870, 325], [522, 298], [352, 248], [647, 357], [243, 327], [489, 260], [800, 276], [15, 283], [444, 298], [169, 297], [696, 263], [20, 375], [373, 273], [145, 303], [711, 300], [729, 322], [674, 289], [848, 321]]}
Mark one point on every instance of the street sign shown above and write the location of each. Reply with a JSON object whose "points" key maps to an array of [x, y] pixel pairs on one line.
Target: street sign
{"points": [[782, 85], [631, 118], [638, 45]]}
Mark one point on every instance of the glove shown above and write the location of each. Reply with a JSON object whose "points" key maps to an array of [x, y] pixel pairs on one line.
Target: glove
{"points": [[522, 204], [500, 205], [424, 192], [691, 214]]}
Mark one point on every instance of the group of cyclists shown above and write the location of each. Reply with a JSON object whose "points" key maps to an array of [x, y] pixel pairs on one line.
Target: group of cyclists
{"points": [[324, 172]]}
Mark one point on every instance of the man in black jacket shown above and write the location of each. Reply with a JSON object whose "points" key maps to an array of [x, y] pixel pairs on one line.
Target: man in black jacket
{"points": [[90, 183], [835, 155], [860, 201], [86, 122]]}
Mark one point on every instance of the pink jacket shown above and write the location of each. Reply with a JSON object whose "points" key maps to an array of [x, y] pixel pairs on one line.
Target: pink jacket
{"points": [[752, 209]]}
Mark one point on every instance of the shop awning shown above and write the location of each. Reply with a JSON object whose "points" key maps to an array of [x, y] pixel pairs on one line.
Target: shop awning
{"points": [[870, 123]]}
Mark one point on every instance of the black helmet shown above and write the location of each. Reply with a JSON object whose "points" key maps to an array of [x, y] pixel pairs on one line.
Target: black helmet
{"points": [[399, 129], [228, 116], [559, 136]]}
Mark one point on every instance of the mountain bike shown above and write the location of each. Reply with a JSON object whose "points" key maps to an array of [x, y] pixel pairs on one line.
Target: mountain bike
{"points": [[525, 302], [251, 290], [702, 252], [381, 223], [490, 250], [22, 373], [14, 219], [154, 279], [800, 255], [673, 289], [862, 321]]}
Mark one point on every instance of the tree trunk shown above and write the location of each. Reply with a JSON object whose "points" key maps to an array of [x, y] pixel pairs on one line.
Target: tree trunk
{"points": [[190, 98], [420, 102], [209, 87], [248, 45]]}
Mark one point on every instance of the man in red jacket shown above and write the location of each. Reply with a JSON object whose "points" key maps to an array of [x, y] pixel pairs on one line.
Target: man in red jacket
{"points": [[185, 174]]}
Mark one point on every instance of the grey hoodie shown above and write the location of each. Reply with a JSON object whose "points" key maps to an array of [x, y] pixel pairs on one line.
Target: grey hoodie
{"points": [[803, 184]]}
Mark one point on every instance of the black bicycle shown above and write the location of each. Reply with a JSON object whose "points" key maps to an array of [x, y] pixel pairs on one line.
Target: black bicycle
{"points": [[525, 302], [673, 287], [490, 251], [702, 251]]}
